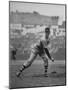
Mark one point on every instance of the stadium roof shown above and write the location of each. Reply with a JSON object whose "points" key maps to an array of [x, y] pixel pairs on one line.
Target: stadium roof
{"points": [[32, 19]]}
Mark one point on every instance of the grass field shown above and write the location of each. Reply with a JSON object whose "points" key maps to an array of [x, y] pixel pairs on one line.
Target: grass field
{"points": [[34, 75]]}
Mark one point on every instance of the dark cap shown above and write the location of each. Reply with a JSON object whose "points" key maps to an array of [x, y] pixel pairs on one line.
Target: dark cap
{"points": [[47, 30]]}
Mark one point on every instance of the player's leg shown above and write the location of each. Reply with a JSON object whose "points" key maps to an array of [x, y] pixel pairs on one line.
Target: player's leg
{"points": [[14, 56], [46, 66], [27, 63], [45, 59]]}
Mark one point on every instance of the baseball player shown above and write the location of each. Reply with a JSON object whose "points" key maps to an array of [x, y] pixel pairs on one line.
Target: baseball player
{"points": [[41, 49], [13, 53]]}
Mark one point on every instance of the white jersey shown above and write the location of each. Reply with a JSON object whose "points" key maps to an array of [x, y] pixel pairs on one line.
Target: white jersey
{"points": [[40, 45], [45, 42]]}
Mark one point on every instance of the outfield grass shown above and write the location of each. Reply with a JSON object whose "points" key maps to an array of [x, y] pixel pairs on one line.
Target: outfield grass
{"points": [[34, 75]]}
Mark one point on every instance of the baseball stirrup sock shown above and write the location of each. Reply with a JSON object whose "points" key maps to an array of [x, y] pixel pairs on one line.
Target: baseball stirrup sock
{"points": [[22, 68]]}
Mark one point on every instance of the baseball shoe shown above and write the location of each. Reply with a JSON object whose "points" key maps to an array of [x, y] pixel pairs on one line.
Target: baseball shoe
{"points": [[45, 73], [18, 73]]}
